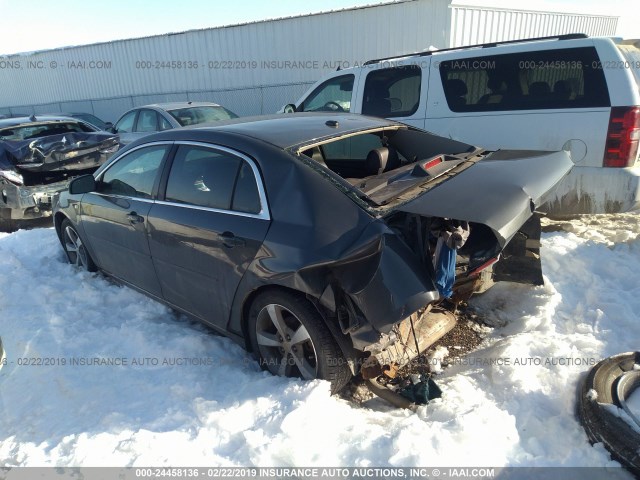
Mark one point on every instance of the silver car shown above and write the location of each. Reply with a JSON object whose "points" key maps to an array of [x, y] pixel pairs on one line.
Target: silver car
{"points": [[141, 121]]}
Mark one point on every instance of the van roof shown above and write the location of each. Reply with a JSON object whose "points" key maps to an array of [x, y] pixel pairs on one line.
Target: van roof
{"points": [[569, 36]]}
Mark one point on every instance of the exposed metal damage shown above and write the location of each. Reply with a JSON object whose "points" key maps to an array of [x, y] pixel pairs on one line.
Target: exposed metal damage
{"points": [[38, 158]]}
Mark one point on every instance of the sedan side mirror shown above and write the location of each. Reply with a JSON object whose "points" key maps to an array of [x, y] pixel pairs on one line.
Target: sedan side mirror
{"points": [[83, 184], [108, 126], [112, 129], [289, 108]]}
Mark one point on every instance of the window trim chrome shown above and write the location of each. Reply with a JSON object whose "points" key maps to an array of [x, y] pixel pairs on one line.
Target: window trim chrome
{"points": [[263, 214], [259, 216]]}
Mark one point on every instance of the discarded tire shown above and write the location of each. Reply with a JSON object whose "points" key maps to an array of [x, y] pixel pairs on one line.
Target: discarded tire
{"points": [[603, 393]]}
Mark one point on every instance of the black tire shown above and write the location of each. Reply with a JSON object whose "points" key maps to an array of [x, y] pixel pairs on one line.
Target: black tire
{"points": [[74, 248], [6, 223], [302, 346], [608, 383]]}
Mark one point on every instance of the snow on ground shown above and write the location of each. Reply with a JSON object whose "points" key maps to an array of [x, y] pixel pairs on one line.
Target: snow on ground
{"points": [[511, 403]]}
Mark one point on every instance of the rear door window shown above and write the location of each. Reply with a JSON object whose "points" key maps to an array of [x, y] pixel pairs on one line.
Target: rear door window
{"points": [[147, 121], [564, 78], [392, 92], [334, 95], [211, 178]]}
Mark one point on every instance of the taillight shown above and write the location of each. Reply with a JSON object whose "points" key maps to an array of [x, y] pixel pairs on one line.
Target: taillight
{"points": [[622, 138], [432, 163]]}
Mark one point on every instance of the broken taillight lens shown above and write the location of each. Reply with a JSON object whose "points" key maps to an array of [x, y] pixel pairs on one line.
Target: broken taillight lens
{"points": [[623, 135]]}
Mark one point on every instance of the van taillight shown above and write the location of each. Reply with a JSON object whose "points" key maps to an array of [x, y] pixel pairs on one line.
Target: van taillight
{"points": [[622, 138]]}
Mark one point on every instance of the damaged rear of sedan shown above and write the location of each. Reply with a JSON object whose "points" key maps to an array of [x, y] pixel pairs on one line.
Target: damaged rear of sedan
{"points": [[312, 240], [38, 157]]}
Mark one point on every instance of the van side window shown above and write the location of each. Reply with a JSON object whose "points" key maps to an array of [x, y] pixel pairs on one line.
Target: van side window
{"points": [[392, 92], [564, 78], [334, 95]]}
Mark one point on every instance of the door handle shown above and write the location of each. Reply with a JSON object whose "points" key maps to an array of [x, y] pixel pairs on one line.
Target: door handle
{"points": [[135, 218], [230, 240]]}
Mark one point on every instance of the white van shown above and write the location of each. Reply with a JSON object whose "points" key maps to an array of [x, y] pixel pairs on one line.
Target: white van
{"points": [[566, 92]]}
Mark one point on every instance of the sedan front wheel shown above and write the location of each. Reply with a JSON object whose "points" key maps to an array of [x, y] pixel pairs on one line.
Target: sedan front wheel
{"points": [[289, 338], [74, 247]]}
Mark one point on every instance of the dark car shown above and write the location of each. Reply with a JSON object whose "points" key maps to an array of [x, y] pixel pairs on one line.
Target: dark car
{"points": [[38, 157], [87, 118], [308, 238], [141, 121]]}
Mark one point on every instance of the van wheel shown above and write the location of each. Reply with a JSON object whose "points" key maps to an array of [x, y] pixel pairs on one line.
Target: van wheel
{"points": [[289, 338]]}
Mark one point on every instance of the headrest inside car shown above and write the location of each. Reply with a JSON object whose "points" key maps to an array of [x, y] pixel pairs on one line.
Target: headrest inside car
{"points": [[377, 161]]}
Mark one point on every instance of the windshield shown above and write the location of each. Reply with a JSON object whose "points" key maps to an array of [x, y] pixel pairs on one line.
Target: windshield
{"points": [[35, 130], [195, 115], [92, 119]]}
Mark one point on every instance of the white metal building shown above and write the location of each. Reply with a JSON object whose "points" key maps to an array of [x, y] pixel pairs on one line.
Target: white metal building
{"points": [[257, 67]]}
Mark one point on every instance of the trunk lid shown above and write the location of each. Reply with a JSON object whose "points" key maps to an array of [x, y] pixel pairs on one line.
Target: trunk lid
{"points": [[500, 191]]}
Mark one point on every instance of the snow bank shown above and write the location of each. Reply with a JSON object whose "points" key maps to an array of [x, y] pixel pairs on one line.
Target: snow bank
{"points": [[509, 404]]}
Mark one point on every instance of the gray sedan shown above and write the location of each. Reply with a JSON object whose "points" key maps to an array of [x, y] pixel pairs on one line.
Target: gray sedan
{"points": [[311, 239], [141, 121]]}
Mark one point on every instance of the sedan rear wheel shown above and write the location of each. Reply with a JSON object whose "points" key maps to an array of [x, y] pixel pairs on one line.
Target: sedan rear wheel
{"points": [[290, 339], [74, 247]]}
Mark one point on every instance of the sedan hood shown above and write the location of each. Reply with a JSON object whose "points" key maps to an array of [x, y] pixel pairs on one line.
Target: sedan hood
{"points": [[501, 191], [69, 151]]}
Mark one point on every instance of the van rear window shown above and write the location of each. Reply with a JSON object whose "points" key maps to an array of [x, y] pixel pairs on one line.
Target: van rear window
{"points": [[564, 78]]}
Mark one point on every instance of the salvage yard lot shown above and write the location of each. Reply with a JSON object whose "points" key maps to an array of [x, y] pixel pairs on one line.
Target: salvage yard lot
{"points": [[175, 394]]}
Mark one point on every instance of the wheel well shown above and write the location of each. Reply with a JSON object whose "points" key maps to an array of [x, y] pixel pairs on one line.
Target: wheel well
{"points": [[246, 306], [57, 222], [353, 356]]}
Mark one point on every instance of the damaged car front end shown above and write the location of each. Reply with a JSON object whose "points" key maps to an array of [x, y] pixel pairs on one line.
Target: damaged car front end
{"points": [[38, 158]]}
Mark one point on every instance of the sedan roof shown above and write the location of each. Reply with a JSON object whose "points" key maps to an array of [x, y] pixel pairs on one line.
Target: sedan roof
{"points": [[15, 121], [288, 131], [177, 105]]}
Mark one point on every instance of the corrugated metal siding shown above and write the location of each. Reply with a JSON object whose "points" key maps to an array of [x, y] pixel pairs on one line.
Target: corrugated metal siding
{"points": [[472, 25], [257, 54], [66, 80]]}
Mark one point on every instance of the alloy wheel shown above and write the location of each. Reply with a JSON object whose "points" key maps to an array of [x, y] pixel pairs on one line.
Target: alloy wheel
{"points": [[74, 247], [285, 345]]}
